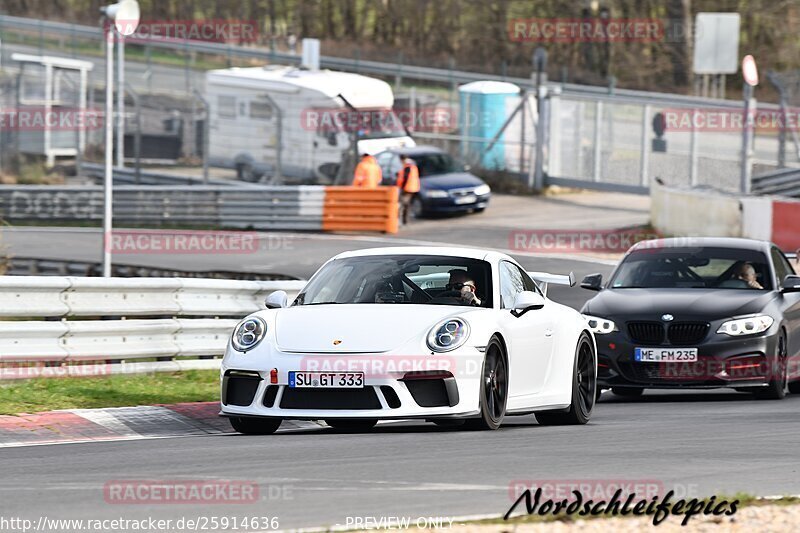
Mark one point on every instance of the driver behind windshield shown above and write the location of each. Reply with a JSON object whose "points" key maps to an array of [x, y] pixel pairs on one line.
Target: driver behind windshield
{"points": [[461, 286], [747, 273]]}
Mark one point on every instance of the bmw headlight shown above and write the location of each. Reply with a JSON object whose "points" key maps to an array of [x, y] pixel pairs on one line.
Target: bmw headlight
{"points": [[482, 190], [435, 193], [448, 335], [600, 326], [248, 333], [746, 326]]}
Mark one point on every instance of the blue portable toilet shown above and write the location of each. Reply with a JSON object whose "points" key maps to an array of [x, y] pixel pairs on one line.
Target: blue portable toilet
{"points": [[485, 106]]}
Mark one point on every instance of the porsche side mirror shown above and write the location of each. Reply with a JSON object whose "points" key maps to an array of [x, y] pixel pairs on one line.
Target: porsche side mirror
{"points": [[593, 282], [791, 283], [276, 300], [526, 301]]}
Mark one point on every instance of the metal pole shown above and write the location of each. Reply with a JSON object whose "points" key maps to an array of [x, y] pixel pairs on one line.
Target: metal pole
{"points": [[137, 139], [598, 124], [644, 161], [542, 119], [81, 128], [207, 118], [522, 132], [107, 178], [693, 151], [121, 102], [48, 105], [747, 140]]}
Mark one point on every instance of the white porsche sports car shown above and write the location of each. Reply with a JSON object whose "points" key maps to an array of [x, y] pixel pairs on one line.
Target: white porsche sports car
{"points": [[441, 334]]}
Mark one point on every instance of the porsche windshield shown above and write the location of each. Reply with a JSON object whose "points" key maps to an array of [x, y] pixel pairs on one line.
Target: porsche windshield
{"points": [[695, 268], [384, 279]]}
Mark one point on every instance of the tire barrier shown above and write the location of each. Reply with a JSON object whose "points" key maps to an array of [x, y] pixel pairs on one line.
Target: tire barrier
{"points": [[305, 207]]}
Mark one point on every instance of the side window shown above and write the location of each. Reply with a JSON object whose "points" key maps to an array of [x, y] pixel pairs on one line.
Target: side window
{"points": [[782, 267], [226, 106], [511, 283], [260, 110], [527, 282]]}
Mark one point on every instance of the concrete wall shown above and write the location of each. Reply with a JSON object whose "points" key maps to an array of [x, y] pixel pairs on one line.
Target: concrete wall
{"points": [[695, 213], [701, 213]]}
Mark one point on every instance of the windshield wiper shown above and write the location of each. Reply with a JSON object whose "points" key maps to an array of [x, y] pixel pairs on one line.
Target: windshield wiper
{"points": [[322, 303]]}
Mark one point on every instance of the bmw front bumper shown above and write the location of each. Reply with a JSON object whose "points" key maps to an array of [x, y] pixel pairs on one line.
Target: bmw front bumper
{"points": [[722, 361]]}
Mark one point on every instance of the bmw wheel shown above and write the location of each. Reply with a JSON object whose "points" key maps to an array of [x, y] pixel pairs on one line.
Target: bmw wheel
{"points": [[584, 389], [779, 374]]}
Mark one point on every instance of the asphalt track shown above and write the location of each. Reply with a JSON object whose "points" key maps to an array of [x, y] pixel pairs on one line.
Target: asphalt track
{"points": [[694, 443]]}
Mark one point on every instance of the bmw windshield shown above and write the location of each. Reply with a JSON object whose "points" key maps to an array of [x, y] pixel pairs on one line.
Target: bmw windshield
{"points": [[400, 280], [693, 268]]}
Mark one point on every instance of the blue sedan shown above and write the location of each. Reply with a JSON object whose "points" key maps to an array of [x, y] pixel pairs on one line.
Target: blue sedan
{"points": [[445, 184]]}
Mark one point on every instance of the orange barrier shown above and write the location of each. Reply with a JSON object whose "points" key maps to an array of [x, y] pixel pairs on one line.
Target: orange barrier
{"points": [[357, 209]]}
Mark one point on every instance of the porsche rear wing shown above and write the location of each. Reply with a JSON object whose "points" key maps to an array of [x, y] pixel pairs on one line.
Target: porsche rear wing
{"points": [[546, 278], [792, 256]]}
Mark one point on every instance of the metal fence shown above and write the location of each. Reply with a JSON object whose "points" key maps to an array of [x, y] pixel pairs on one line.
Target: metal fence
{"points": [[594, 137]]}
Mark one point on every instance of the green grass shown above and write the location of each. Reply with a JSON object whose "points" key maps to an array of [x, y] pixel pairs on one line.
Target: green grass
{"points": [[46, 394]]}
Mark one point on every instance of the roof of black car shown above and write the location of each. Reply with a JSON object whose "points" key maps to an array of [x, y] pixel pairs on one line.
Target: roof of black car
{"points": [[707, 242]]}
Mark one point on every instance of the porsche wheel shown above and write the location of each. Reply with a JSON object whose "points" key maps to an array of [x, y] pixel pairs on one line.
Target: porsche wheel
{"points": [[255, 426], [776, 390], [351, 424], [584, 389], [494, 389]]}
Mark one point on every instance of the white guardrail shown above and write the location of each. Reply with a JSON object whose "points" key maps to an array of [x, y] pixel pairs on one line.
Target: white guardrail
{"points": [[89, 319]]}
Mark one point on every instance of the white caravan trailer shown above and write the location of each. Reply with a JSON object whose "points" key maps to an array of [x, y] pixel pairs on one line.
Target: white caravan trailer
{"points": [[268, 121]]}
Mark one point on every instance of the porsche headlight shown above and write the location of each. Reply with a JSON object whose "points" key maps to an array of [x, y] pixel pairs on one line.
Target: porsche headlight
{"points": [[448, 335], [600, 326], [746, 326], [248, 333]]}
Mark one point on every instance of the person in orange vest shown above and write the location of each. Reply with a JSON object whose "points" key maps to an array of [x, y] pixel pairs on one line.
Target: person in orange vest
{"points": [[408, 183], [368, 173]]}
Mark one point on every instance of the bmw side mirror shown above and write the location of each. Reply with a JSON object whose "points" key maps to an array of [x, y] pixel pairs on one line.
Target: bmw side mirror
{"points": [[791, 283], [593, 282], [526, 301], [276, 300]]}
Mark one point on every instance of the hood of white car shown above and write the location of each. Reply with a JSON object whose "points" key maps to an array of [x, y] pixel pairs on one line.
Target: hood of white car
{"points": [[360, 328]]}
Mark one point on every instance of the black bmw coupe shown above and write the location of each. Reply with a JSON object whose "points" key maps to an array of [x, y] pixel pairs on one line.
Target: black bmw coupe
{"points": [[698, 313]]}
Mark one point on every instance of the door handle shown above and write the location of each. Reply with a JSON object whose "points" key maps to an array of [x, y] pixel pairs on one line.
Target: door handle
{"points": [[548, 333]]}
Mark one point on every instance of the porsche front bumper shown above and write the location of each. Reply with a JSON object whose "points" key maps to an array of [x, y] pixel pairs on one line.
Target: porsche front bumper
{"points": [[392, 393]]}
